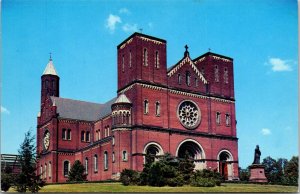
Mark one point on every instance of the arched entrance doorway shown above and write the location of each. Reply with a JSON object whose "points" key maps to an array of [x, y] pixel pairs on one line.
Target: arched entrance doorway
{"points": [[194, 151], [225, 164], [152, 150]]}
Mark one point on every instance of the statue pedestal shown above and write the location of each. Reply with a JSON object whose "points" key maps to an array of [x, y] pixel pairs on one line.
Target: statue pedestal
{"points": [[257, 173]]}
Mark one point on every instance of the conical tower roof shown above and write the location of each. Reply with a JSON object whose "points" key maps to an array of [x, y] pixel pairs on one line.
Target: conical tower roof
{"points": [[122, 99], [50, 70]]}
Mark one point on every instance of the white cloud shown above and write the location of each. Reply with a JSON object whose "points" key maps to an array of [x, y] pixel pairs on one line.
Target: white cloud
{"points": [[265, 131], [130, 27], [124, 11], [279, 64], [4, 110], [112, 21]]}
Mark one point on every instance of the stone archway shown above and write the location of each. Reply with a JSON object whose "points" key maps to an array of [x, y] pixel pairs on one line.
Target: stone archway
{"points": [[194, 150], [153, 150], [225, 165]]}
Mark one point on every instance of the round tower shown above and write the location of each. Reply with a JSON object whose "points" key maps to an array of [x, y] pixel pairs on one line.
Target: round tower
{"points": [[121, 112]]}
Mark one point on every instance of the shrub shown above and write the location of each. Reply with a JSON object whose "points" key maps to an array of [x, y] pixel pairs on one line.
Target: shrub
{"points": [[129, 177], [203, 182], [206, 178]]}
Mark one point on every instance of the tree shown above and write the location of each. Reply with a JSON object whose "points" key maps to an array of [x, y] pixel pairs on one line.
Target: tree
{"points": [[27, 179], [291, 171], [186, 168], [244, 174], [6, 178], [77, 172]]}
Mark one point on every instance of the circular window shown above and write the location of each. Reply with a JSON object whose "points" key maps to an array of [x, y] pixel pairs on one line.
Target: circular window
{"points": [[189, 114], [46, 140]]}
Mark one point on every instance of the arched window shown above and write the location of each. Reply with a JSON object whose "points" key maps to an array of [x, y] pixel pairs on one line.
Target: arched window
{"points": [[157, 108], [188, 78], [124, 155], [196, 82], [108, 131], [130, 59], [66, 168], [41, 171], [87, 138], [123, 61], [227, 118], [45, 171], [179, 79], [146, 107], [113, 140], [82, 136], [105, 160], [86, 165], [69, 134], [99, 134], [46, 85], [64, 133], [157, 59], [95, 163], [145, 57], [225, 76], [53, 84], [49, 169], [218, 118], [113, 157], [216, 73]]}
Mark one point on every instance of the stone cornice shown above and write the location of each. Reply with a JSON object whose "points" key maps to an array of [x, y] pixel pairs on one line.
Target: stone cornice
{"points": [[186, 132], [176, 91]]}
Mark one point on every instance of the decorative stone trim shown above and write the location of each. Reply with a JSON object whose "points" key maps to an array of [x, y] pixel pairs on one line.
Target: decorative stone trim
{"points": [[126, 43], [150, 40], [120, 111], [187, 94], [152, 87], [222, 100], [221, 58], [45, 125], [127, 88], [66, 153], [121, 129], [199, 60], [189, 61]]}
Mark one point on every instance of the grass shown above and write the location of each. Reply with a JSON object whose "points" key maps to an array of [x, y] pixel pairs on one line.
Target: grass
{"points": [[118, 187]]}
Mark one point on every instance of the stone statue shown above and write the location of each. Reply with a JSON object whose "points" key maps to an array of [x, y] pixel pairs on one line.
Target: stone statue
{"points": [[256, 155]]}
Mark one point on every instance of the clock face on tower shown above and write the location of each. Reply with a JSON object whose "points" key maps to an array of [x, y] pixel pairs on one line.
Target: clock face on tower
{"points": [[46, 140], [189, 114]]}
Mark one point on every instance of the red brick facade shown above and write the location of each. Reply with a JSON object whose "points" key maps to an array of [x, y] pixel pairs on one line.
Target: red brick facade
{"points": [[188, 107]]}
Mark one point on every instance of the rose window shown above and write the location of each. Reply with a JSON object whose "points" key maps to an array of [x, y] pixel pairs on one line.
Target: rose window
{"points": [[189, 114]]}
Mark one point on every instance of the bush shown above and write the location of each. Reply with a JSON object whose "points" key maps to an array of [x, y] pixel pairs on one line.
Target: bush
{"points": [[206, 178], [129, 177], [203, 182]]}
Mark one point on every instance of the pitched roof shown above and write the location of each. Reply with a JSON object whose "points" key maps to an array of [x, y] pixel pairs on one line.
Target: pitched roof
{"points": [[81, 110], [122, 99], [50, 70], [172, 70]]}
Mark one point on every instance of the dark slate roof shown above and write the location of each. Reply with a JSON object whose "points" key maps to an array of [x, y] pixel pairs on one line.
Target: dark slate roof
{"points": [[80, 110]]}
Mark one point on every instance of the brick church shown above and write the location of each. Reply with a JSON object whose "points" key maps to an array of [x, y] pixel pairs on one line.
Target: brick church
{"points": [[188, 107]]}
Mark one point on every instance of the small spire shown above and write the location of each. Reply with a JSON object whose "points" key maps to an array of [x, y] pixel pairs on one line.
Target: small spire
{"points": [[186, 53], [209, 49], [141, 30], [50, 57]]}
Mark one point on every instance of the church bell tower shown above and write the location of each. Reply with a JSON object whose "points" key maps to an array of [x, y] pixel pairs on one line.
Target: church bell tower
{"points": [[50, 82]]}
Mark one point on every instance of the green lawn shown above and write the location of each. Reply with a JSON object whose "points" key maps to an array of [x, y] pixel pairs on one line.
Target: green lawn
{"points": [[118, 187]]}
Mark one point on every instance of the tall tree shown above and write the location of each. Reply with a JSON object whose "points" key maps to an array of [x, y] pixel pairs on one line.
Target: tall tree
{"points": [[77, 172], [28, 179], [291, 171]]}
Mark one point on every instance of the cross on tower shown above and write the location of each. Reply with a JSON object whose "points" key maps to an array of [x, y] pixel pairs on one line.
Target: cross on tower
{"points": [[50, 56], [141, 30], [209, 49], [186, 47]]}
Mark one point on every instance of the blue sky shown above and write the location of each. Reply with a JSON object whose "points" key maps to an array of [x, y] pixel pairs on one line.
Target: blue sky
{"points": [[261, 36]]}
